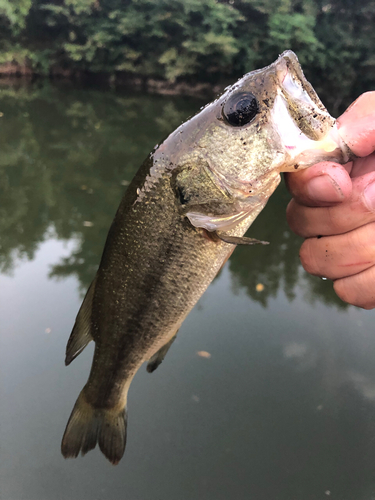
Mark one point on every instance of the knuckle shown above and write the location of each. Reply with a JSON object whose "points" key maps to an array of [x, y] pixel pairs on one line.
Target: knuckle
{"points": [[292, 218], [308, 257], [361, 241], [296, 218], [295, 183], [335, 222], [291, 215], [343, 291], [368, 238], [352, 292]]}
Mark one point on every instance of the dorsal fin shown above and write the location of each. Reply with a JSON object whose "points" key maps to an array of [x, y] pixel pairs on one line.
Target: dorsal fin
{"points": [[81, 333]]}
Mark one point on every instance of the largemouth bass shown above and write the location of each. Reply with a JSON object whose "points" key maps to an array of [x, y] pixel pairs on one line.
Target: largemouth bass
{"points": [[188, 206]]}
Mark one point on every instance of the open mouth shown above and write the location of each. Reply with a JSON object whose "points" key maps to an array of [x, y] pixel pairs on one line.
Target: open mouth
{"points": [[307, 132], [293, 88]]}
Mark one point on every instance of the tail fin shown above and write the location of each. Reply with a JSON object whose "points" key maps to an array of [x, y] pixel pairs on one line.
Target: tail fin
{"points": [[88, 425]]}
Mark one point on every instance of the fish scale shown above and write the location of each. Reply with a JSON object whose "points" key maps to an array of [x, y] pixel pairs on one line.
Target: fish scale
{"points": [[190, 203]]}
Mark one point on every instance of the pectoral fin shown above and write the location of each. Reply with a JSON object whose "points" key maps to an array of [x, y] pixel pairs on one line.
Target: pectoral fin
{"points": [[81, 333], [158, 357], [235, 240], [212, 222]]}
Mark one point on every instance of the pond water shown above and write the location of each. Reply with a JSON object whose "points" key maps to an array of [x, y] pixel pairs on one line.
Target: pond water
{"points": [[284, 407]]}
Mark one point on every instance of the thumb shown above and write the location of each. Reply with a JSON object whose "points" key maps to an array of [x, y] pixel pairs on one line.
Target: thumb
{"points": [[357, 125], [323, 184]]}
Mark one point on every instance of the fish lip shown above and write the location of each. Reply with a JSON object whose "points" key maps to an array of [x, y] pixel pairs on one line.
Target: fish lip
{"points": [[281, 64], [286, 65], [289, 54]]}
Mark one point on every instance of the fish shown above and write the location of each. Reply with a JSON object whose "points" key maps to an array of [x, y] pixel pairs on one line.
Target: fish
{"points": [[181, 217]]}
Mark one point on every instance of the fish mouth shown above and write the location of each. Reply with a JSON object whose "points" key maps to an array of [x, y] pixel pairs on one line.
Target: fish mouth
{"points": [[307, 132], [294, 83], [304, 105]]}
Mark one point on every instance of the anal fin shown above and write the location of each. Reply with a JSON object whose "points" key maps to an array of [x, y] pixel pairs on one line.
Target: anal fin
{"points": [[81, 333], [158, 357]]}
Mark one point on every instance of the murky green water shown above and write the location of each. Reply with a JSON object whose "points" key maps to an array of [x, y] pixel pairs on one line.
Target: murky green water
{"points": [[284, 409]]}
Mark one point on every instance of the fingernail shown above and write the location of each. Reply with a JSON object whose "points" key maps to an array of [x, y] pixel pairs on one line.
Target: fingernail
{"points": [[324, 188], [369, 196]]}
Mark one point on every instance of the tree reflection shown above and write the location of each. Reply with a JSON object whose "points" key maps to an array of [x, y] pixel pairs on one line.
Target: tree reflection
{"points": [[277, 266], [66, 158], [273, 265]]}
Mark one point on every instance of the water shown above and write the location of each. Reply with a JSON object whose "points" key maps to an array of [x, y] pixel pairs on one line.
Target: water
{"points": [[284, 408]]}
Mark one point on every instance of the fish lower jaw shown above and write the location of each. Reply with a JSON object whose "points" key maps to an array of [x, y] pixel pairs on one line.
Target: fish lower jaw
{"points": [[307, 152], [300, 150]]}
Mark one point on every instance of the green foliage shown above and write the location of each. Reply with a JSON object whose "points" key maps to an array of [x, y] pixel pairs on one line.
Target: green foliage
{"points": [[166, 39], [195, 40], [13, 14]]}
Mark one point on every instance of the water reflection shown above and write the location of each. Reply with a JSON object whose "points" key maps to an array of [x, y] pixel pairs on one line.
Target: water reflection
{"points": [[66, 160], [284, 408], [277, 265]]}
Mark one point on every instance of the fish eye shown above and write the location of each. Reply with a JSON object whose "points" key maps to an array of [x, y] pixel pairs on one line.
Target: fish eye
{"points": [[240, 109]]}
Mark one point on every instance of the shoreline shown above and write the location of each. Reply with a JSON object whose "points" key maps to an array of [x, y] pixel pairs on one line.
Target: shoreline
{"points": [[14, 73]]}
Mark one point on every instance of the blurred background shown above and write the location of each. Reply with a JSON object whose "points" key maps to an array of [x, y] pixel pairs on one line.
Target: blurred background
{"points": [[188, 45], [281, 404]]}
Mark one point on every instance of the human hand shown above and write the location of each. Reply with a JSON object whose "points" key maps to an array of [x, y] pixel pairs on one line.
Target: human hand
{"points": [[333, 207]]}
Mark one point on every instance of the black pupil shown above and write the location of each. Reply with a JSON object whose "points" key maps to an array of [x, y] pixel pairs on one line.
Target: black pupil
{"points": [[240, 109]]}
